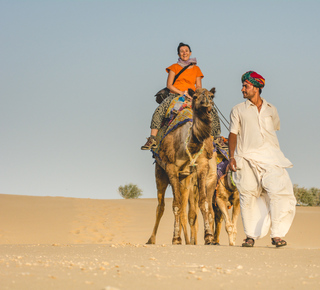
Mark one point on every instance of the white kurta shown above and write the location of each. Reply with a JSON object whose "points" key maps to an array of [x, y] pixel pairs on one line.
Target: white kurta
{"points": [[266, 192]]}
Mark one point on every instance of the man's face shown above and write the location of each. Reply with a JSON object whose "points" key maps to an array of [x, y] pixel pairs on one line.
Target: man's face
{"points": [[248, 90]]}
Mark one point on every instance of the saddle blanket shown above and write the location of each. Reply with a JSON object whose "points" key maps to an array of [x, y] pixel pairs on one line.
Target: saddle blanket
{"points": [[174, 119]]}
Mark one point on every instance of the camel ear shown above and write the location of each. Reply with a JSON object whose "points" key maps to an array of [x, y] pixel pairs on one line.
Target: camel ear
{"points": [[191, 92]]}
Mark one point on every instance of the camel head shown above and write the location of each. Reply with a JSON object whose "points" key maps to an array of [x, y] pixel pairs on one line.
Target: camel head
{"points": [[202, 104], [202, 100]]}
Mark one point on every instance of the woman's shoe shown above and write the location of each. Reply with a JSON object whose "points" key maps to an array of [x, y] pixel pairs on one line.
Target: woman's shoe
{"points": [[151, 144]]}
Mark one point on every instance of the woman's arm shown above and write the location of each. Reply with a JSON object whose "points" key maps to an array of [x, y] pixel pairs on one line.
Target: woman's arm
{"points": [[198, 83], [171, 87]]}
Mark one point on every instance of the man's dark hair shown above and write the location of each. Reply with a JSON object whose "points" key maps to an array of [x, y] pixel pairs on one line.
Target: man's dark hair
{"points": [[182, 44], [260, 91]]}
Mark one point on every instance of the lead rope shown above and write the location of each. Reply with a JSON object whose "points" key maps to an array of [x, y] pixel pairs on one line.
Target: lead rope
{"points": [[223, 117]]}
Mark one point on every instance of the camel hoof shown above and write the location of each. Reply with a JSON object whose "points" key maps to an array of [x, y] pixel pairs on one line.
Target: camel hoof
{"points": [[176, 241], [209, 243], [208, 240], [231, 243], [216, 244], [151, 242]]}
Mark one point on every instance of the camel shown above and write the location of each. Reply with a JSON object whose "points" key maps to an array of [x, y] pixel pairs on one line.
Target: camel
{"points": [[226, 196], [188, 148]]}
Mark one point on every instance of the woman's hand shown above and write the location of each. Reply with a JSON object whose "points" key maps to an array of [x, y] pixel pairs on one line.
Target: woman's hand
{"points": [[188, 97]]}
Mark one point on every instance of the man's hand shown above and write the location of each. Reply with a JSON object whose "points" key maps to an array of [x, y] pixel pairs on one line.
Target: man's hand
{"points": [[233, 164], [232, 141]]}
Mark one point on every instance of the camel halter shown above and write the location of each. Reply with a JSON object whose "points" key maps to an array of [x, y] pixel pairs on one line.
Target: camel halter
{"points": [[192, 160]]}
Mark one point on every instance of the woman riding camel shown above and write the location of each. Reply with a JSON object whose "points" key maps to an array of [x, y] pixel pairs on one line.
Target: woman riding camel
{"points": [[189, 79]]}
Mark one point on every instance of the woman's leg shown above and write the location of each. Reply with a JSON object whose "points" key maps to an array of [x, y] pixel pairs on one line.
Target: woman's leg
{"points": [[156, 122]]}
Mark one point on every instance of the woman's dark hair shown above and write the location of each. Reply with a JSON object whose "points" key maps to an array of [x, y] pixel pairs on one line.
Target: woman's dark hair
{"points": [[182, 44]]}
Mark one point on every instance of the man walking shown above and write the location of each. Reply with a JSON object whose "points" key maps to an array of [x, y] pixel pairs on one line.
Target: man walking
{"points": [[258, 165]]}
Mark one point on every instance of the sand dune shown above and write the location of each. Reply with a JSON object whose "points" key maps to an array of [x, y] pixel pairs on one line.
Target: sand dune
{"points": [[68, 243]]}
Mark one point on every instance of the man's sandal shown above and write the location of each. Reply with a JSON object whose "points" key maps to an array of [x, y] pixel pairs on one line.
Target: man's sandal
{"points": [[278, 242], [248, 242]]}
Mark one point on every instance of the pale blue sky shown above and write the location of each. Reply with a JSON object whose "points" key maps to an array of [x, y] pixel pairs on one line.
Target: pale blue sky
{"points": [[78, 79]]}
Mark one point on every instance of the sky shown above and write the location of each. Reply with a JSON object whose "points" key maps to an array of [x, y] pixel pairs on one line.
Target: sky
{"points": [[78, 80]]}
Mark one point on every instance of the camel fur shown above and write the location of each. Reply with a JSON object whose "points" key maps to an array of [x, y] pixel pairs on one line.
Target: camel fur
{"points": [[198, 187], [226, 196]]}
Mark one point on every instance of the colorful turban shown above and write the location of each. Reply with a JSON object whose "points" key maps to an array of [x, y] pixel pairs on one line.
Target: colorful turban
{"points": [[253, 78]]}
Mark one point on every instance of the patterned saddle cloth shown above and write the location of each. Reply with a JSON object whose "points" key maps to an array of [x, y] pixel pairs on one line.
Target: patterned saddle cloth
{"points": [[222, 160], [173, 119]]}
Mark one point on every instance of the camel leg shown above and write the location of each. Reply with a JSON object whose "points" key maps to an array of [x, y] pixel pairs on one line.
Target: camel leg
{"points": [[205, 205], [235, 215], [218, 223], [162, 184], [196, 224], [184, 187], [229, 225], [192, 215], [176, 204], [210, 193], [209, 187]]}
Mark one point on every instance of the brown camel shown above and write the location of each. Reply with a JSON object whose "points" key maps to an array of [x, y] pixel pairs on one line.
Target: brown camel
{"points": [[226, 196], [188, 148]]}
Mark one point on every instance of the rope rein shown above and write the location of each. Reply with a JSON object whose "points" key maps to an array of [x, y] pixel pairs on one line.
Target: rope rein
{"points": [[223, 117]]}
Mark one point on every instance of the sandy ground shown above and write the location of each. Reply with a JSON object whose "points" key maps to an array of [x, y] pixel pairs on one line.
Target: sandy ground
{"points": [[67, 243]]}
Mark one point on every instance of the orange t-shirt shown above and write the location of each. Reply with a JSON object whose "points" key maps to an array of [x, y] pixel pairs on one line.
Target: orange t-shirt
{"points": [[187, 80]]}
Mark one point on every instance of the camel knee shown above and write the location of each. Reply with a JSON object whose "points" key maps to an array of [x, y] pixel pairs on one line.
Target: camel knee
{"points": [[192, 218], [211, 218], [176, 210], [229, 228]]}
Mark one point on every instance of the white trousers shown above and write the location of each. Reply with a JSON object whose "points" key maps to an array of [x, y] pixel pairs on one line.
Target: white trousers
{"points": [[266, 197]]}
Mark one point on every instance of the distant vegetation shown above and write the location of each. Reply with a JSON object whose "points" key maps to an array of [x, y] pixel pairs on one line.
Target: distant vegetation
{"points": [[310, 197], [304, 196], [130, 191]]}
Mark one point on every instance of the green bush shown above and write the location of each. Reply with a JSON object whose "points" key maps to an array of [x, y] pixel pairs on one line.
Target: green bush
{"points": [[129, 191], [309, 197]]}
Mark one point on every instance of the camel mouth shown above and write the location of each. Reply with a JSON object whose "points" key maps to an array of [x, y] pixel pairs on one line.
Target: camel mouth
{"points": [[207, 108], [204, 108]]}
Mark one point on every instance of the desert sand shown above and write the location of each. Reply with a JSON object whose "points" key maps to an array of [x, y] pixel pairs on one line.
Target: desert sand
{"points": [[69, 243]]}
